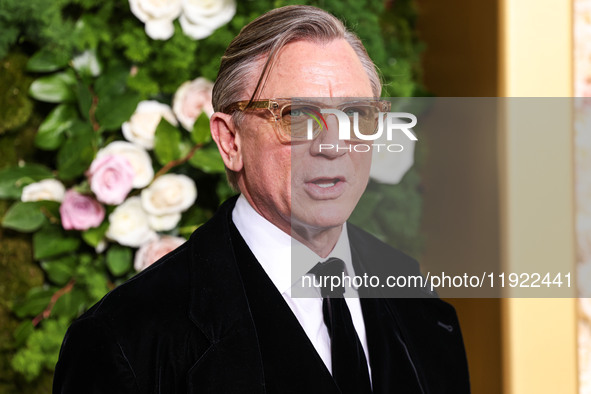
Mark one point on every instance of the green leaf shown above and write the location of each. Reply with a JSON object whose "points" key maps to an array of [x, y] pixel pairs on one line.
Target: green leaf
{"points": [[24, 216], [185, 147], [112, 82], [94, 280], [70, 304], [55, 88], [84, 100], [208, 160], [76, 154], [195, 215], [22, 332], [224, 190], [51, 132], [201, 133], [47, 61], [119, 260], [365, 209], [41, 350], [116, 104], [35, 302], [167, 142], [13, 179], [50, 208], [94, 235], [112, 111], [52, 241], [60, 270]]}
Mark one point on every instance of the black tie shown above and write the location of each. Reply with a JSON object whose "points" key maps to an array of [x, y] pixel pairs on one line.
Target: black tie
{"points": [[349, 366]]}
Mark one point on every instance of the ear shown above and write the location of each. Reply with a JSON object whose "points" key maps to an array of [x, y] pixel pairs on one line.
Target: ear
{"points": [[224, 134]]}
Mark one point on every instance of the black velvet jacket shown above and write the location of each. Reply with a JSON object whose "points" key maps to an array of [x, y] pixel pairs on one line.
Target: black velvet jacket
{"points": [[206, 319]]}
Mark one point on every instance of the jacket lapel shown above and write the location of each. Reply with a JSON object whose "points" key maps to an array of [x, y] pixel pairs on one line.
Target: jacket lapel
{"points": [[219, 308], [393, 367], [257, 344], [291, 363]]}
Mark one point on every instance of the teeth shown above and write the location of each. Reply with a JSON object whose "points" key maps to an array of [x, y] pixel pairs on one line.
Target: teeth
{"points": [[326, 184]]}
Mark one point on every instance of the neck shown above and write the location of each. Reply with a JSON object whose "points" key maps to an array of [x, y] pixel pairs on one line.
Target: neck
{"points": [[320, 241]]}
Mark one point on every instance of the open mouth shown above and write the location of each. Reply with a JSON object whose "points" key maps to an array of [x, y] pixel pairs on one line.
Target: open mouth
{"points": [[326, 182]]}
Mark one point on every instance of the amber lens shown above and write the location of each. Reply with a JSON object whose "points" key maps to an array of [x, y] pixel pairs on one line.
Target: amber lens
{"points": [[365, 115], [298, 118]]}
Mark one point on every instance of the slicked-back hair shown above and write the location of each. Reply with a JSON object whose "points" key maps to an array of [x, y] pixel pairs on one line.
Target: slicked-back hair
{"points": [[259, 43]]}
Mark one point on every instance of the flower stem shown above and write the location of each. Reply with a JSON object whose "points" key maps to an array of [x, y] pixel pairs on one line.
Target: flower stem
{"points": [[92, 110], [52, 219], [56, 296], [171, 164]]}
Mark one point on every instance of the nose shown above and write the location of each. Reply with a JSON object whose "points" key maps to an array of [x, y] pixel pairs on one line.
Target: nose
{"points": [[328, 143]]}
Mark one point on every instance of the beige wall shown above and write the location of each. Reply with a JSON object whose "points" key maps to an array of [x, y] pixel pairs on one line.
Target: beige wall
{"points": [[536, 60], [483, 197]]}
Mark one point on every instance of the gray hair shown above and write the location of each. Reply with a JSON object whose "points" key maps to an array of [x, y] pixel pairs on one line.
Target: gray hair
{"points": [[264, 37]]}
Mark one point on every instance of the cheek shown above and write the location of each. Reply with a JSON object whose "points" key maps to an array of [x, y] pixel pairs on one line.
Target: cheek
{"points": [[268, 166], [361, 164], [278, 166]]}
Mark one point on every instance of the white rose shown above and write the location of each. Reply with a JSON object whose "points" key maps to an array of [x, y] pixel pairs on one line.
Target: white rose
{"points": [[47, 189], [158, 16], [191, 99], [140, 129], [170, 193], [164, 222], [128, 224], [136, 156], [201, 17], [388, 163], [87, 62], [101, 246]]}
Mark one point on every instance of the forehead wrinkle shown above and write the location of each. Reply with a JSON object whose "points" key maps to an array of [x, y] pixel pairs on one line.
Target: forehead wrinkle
{"points": [[325, 77], [311, 69]]}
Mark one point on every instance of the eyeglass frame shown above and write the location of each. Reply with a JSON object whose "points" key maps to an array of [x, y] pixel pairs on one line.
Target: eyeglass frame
{"points": [[274, 107]]}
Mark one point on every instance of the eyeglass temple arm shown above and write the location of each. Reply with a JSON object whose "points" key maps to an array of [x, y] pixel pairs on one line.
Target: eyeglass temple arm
{"points": [[242, 105]]}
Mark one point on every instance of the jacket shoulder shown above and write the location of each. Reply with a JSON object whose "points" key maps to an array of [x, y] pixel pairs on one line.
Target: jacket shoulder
{"points": [[162, 289], [370, 248]]}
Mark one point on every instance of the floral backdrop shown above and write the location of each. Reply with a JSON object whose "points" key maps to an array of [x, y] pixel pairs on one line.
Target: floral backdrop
{"points": [[106, 160]]}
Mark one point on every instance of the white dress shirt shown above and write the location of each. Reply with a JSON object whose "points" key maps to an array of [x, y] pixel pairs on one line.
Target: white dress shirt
{"points": [[274, 250]]}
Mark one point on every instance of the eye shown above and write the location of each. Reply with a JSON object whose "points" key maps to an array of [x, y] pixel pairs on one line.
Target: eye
{"points": [[362, 110], [298, 115], [301, 110], [296, 112]]}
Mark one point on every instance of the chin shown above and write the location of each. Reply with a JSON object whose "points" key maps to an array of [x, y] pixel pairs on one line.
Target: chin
{"points": [[322, 216]]}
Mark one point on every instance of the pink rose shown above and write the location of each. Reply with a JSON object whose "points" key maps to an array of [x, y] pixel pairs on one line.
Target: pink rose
{"points": [[111, 178], [152, 251], [80, 212], [190, 100]]}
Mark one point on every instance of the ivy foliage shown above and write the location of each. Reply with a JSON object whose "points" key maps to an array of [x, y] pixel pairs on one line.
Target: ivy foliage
{"points": [[83, 110]]}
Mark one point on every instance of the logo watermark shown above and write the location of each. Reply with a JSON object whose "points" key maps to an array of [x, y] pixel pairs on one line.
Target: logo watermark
{"points": [[345, 125], [362, 125]]}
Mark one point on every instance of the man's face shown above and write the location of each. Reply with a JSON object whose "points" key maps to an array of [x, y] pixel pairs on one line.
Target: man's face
{"points": [[297, 185]]}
